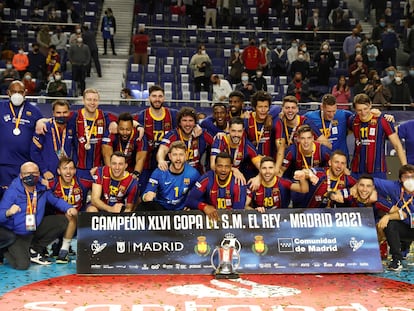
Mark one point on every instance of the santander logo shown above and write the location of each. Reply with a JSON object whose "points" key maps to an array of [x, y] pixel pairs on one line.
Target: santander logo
{"points": [[236, 288]]}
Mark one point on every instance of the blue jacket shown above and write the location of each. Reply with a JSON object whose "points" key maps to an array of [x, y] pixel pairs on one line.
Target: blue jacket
{"points": [[15, 194]]}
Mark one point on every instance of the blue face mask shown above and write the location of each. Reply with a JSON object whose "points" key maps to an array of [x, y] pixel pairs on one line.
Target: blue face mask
{"points": [[411, 72], [61, 120], [391, 73], [382, 24], [30, 180]]}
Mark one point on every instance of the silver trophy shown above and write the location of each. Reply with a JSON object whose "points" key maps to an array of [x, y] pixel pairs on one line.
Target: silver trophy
{"points": [[228, 259]]}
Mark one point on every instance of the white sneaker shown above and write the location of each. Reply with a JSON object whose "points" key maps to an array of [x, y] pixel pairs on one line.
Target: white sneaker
{"points": [[38, 258]]}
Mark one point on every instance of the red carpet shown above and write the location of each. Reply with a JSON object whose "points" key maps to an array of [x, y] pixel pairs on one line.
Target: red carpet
{"points": [[198, 293]]}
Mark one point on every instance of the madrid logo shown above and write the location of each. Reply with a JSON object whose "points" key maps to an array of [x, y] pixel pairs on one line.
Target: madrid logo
{"points": [[235, 288]]}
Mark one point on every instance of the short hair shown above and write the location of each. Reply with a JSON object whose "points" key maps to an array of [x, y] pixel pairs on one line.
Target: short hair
{"points": [[155, 88], [237, 94], [125, 116], [267, 159], [328, 99], [289, 99], [405, 169], [118, 154], [90, 90], [223, 155], [220, 104], [362, 99], [236, 120], [60, 102], [127, 91], [366, 176], [338, 152], [178, 144], [65, 160], [304, 129], [260, 96], [186, 112]]}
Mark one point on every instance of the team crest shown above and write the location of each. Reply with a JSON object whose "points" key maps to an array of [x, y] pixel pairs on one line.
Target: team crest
{"points": [[259, 247], [202, 248]]}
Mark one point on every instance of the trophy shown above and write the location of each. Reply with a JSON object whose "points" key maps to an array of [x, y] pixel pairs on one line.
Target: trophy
{"points": [[228, 259]]}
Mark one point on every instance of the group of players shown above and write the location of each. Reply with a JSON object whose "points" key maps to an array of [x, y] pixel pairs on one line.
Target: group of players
{"points": [[162, 159]]}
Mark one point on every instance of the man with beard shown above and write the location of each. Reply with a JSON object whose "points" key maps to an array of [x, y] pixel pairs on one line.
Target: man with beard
{"points": [[127, 142], [73, 188], [305, 154], [217, 189], [274, 192], [157, 121], [17, 126], [286, 128], [167, 190], [195, 146], [114, 189], [328, 180], [57, 141], [238, 147]]}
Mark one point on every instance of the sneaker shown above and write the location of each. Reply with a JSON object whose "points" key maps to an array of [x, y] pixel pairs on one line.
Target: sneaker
{"points": [[71, 253], [63, 256], [38, 258], [395, 265]]}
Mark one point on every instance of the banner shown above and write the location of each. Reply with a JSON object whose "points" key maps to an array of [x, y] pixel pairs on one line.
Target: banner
{"points": [[339, 240]]}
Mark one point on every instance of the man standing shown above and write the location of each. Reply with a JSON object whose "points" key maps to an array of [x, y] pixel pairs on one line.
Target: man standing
{"points": [[80, 57], [167, 190], [238, 147], [22, 211], [17, 126], [89, 39], [57, 141], [217, 189], [251, 57], [114, 189], [140, 42], [195, 146], [370, 134], [90, 127]]}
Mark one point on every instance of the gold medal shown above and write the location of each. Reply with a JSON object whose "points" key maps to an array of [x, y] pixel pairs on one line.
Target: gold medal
{"points": [[87, 146]]}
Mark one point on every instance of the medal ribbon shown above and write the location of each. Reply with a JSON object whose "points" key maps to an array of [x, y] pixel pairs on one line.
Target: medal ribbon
{"points": [[88, 132], [19, 116], [292, 134], [190, 141], [305, 163], [66, 198], [61, 140], [31, 203], [325, 133]]}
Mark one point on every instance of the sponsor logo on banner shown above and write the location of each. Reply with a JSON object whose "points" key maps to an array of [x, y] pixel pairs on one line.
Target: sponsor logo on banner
{"points": [[96, 247], [354, 244]]}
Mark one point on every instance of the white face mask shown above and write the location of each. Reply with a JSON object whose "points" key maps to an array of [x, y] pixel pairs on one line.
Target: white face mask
{"points": [[398, 79], [17, 99], [409, 184]]}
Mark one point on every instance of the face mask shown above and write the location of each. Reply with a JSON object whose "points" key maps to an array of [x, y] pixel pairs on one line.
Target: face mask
{"points": [[390, 30], [79, 40], [300, 57], [17, 99], [294, 45], [28, 77], [21, 51], [358, 50], [398, 80], [279, 47], [30, 180], [304, 49], [203, 52], [9, 66], [245, 78], [264, 45], [50, 79], [78, 31], [409, 185], [58, 77], [391, 73], [411, 72], [236, 49], [61, 120], [382, 24]]}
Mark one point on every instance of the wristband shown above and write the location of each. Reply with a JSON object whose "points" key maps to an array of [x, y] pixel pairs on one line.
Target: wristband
{"points": [[401, 214], [202, 206], [136, 174]]}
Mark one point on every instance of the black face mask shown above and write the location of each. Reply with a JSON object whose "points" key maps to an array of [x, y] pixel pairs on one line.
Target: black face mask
{"points": [[61, 120], [30, 180]]}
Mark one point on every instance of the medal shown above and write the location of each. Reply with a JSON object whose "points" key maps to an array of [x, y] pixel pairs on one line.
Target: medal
{"points": [[16, 131], [87, 146]]}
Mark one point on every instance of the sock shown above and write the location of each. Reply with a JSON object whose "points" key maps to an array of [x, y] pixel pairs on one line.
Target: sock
{"points": [[66, 244]]}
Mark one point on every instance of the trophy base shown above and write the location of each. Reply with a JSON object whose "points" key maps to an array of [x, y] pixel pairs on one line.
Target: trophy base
{"points": [[221, 276]]}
